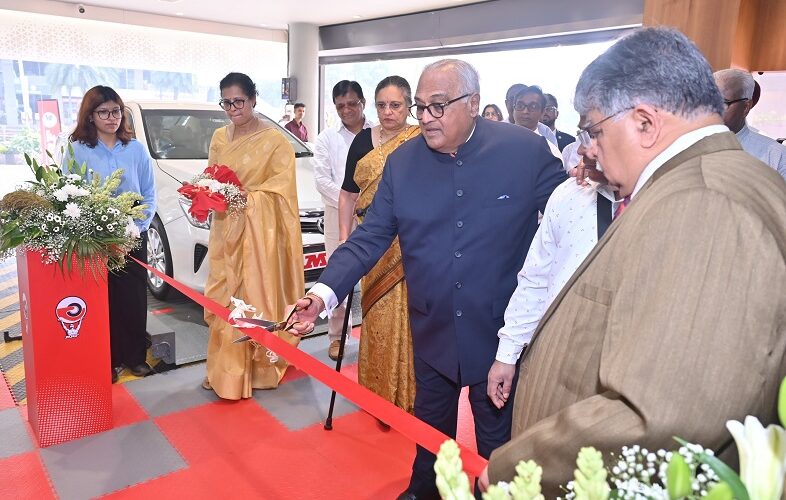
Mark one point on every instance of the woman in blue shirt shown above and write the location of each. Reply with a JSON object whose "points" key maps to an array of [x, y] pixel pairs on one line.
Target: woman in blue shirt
{"points": [[104, 141]]}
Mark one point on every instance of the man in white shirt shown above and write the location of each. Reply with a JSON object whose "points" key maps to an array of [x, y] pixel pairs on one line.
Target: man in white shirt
{"points": [[330, 158], [737, 88], [528, 108], [576, 216]]}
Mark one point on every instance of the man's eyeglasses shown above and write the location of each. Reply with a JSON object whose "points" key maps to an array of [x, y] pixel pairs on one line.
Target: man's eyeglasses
{"points": [[344, 105], [436, 109], [104, 113], [585, 135], [532, 107], [393, 105], [226, 104], [551, 109], [729, 103]]}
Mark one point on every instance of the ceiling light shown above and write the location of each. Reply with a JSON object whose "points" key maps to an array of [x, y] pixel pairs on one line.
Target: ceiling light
{"points": [[356, 16], [178, 13], [169, 1]]}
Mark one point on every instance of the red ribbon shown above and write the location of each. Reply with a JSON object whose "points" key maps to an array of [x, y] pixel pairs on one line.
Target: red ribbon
{"points": [[408, 425]]}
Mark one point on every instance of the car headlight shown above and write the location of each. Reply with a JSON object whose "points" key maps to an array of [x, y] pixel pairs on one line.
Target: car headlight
{"points": [[185, 204]]}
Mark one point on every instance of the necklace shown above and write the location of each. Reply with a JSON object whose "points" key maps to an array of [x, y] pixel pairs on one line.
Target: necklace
{"points": [[383, 137]]}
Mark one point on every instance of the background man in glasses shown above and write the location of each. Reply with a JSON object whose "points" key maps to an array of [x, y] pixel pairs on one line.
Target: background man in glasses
{"points": [[550, 115], [463, 199], [658, 331], [510, 100], [528, 108], [330, 158], [737, 86]]}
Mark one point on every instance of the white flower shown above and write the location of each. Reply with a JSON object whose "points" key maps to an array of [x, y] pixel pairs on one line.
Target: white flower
{"points": [[60, 194], [75, 191], [72, 210], [762, 457], [74, 177], [99, 228], [103, 218], [211, 184], [131, 230]]}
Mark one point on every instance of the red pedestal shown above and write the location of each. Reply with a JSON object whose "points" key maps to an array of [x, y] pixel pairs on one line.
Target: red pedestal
{"points": [[65, 334]]}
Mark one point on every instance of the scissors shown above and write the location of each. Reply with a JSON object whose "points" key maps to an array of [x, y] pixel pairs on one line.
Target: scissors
{"points": [[271, 326]]}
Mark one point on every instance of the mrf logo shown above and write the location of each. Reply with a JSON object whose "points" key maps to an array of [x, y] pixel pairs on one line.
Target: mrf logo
{"points": [[314, 260], [70, 312]]}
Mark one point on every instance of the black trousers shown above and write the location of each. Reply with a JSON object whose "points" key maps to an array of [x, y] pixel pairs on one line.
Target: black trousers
{"points": [[436, 403], [128, 310]]}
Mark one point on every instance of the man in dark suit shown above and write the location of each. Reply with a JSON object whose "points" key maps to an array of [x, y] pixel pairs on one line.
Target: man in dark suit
{"points": [[675, 322], [463, 199], [550, 115]]}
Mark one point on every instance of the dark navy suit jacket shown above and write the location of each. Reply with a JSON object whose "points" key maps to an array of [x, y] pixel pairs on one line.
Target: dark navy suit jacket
{"points": [[465, 224]]}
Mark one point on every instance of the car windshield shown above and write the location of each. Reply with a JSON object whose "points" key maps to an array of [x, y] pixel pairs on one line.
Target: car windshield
{"points": [[185, 134]]}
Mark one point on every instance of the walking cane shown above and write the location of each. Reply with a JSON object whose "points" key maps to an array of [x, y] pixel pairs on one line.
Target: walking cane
{"points": [[347, 313]]}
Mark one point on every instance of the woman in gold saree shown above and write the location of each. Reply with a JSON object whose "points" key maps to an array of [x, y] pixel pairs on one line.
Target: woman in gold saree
{"points": [[385, 360], [256, 256]]}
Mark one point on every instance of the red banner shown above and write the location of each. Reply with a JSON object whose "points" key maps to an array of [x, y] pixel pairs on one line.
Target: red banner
{"points": [[49, 125], [408, 425]]}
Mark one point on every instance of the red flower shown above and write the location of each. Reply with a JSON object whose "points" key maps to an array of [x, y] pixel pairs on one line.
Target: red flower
{"points": [[202, 201], [223, 174]]}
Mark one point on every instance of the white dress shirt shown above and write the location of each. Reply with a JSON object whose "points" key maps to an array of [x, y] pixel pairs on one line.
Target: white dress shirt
{"points": [[552, 147], [762, 147], [330, 160], [549, 134], [570, 156], [567, 234]]}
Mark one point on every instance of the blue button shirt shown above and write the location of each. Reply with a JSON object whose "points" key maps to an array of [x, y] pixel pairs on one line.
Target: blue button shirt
{"points": [[137, 170]]}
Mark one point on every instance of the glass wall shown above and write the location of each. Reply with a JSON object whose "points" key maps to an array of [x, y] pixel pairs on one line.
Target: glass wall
{"points": [[769, 115], [48, 57], [555, 69]]}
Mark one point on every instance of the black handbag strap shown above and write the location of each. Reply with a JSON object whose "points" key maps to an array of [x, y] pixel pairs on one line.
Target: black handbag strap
{"points": [[604, 214]]}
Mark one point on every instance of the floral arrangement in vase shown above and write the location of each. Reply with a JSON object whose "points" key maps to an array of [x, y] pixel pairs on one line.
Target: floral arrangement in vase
{"points": [[69, 213]]}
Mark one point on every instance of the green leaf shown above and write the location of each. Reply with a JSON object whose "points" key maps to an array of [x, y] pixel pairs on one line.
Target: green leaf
{"points": [[28, 160], [782, 402], [679, 477], [724, 472], [721, 491]]}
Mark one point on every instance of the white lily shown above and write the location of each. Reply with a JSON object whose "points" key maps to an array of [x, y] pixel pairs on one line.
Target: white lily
{"points": [[762, 457]]}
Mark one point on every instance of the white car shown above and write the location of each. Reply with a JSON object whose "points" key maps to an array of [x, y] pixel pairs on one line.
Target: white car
{"points": [[177, 136]]}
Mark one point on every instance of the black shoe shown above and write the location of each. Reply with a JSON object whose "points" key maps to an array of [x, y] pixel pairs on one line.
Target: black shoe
{"points": [[141, 370], [407, 495], [115, 374]]}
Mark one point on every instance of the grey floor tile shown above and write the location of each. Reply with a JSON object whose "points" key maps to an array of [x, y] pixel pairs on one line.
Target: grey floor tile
{"points": [[171, 391], [301, 403], [14, 437], [110, 461]]}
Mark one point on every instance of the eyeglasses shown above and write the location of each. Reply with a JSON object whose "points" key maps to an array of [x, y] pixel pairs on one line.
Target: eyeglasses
{"points": [[436, 109], [104, 113], [532, 107], [393, 105], [551, 109], [342, 106], [585, 134], [729, 103], [226, 104]]}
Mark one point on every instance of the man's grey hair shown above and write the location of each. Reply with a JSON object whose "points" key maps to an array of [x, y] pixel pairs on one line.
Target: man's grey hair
{"points": [[469, 81], [656, 66], [739, 82]]}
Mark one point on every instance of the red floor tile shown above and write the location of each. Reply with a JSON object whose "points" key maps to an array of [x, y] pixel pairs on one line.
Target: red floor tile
{"points": [[184, 483], [125, 409], [6, 399], [23, 477], [218, 429]]}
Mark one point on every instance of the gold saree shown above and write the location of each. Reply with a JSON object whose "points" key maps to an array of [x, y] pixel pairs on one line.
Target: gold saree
{"points": [[256, 256], [385, 363]]}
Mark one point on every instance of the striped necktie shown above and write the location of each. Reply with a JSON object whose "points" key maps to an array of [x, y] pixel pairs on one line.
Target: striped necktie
{"points": [[621, 207]]}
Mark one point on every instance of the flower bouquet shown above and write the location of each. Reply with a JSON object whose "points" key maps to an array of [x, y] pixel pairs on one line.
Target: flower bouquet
{"points": [[69, 213], [691, 472], [217, 189]]}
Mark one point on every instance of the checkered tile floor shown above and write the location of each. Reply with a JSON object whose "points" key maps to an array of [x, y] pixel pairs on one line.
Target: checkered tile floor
{"points": [[171, 438]]}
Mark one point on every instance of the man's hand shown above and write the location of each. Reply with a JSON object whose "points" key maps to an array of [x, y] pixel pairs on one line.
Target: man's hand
{"points": [[500, 380], [308, 308], [483, 479]]}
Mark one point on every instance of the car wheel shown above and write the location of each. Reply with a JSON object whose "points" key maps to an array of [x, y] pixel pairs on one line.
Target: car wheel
{"points": [[158, 257]]}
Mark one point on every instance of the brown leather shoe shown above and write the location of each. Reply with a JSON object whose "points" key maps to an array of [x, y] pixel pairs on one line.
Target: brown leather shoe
{"points": [[333, 349], [206, 385]]}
